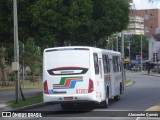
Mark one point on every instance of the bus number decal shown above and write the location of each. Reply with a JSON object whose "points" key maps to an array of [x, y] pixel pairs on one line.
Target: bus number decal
{"points": [[81, 91]]}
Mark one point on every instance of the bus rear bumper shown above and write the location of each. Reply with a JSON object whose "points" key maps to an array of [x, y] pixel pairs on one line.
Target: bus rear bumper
{"points": [[76, 98]]}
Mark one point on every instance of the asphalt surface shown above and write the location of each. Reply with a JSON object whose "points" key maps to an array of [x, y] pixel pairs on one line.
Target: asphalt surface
{"points": [[142, 94]]}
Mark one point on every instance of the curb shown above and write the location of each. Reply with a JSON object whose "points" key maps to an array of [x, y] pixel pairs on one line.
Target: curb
{"points": [[128, 84]]}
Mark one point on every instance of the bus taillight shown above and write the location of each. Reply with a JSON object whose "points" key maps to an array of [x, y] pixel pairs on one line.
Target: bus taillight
{"points": [[91, 86], [45, 87]]}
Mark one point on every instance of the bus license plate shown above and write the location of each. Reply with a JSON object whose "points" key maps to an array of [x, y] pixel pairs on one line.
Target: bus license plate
{"points": [[68, 98]]}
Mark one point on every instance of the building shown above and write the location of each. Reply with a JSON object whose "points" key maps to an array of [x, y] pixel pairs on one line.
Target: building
{"points": [[154, 48], [151, 19], [135, 26]]}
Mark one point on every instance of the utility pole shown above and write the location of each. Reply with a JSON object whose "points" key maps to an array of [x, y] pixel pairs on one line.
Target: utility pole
{"points": [[117, 40], [15, 64], [141, 55], [129, 48], [122, 46]]}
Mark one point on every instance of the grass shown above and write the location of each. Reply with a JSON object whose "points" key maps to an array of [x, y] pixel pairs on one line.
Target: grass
{"points": [[29, 101], [24, 85], [127, 81]]}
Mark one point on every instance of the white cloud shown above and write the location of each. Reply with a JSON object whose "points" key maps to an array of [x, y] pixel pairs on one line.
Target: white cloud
{"points": [[146, 4]]}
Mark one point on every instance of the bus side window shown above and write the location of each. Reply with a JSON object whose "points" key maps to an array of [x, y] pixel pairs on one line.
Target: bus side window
{"points": [[104, 63], [96, 66], [100, 68], [108, 64], [114, 64], [119, 63], [117, 66]]}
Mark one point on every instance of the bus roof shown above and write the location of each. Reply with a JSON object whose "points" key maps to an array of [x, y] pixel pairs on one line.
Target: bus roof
{"points": [[82, 48]]}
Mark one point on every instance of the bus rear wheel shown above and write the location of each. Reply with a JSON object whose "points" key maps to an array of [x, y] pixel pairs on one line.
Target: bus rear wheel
{"points": [[121, 89], [106, 102]]}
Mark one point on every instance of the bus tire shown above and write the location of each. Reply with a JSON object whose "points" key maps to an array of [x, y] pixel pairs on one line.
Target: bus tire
{"points": [[65, 106], [121, 91], [117, 97], [106, 102]]}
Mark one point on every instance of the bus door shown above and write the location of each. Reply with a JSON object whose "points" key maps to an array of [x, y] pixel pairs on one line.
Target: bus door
{"points": [[98, 75]]}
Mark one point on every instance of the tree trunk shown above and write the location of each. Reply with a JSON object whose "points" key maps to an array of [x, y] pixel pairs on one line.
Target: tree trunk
{"points": [[3, 66], [4, 75]]}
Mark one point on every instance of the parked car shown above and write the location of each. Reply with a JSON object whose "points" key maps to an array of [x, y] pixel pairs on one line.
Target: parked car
{"points": [[135, 68]]}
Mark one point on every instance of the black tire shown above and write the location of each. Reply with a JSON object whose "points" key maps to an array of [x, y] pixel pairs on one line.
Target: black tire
{"points": [[121, 91], [117, 97], [106, 102], [65, 106]]}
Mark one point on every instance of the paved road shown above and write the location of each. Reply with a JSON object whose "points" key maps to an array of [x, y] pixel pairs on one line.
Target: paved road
{"points": [[143, 94]]}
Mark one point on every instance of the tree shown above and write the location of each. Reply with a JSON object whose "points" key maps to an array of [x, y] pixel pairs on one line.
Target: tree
{"points": [[6, 21], [31, 55], [136, 46], [81, 22], [3, 65], [109, 17], [25, 20]]}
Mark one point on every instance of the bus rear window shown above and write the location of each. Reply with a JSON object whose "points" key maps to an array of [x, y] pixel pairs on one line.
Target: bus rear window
{"points": [[69, 62]]}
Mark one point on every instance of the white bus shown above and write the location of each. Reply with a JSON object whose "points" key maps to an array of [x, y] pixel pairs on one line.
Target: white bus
{"points": [[81, 74]]}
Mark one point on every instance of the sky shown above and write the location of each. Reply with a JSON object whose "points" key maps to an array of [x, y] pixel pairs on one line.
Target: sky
{"points": [[146, 4]]}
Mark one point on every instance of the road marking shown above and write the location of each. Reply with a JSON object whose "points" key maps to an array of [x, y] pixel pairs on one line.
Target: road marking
{"points": [[147, 118]]}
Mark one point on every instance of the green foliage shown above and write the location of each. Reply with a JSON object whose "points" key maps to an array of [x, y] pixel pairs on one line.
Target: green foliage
{"points": [[11, 77], [63, 22], [136, 46], [78, 22], [30, 55], [6, 21], [60, 22]]}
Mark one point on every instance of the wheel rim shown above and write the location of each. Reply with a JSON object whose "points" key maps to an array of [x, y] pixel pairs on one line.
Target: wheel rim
{"points": [[107, 100]]}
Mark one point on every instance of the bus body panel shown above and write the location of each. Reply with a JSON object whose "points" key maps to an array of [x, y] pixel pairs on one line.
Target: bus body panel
{"points": [[69, 73]]}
